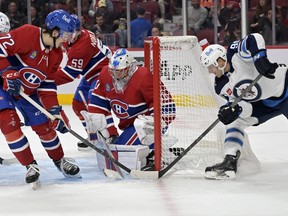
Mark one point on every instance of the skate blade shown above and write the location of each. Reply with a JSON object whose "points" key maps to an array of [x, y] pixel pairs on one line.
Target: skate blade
{"points": [[112, 174], [36, 185], [228, 175]]}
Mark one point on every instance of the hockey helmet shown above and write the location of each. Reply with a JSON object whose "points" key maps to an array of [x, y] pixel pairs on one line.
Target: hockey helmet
{"points": [[62, 20], [4, 23], [211, 53], [120, 62], [77, 22], [121, 68]]}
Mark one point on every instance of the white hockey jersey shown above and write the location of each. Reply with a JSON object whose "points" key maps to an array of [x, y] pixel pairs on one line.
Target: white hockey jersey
{"points": [[243, 72]]}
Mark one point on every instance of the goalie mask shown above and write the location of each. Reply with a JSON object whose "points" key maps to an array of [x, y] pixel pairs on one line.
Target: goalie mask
{"points": [[211, 54], [121, 68], [4, 23]]}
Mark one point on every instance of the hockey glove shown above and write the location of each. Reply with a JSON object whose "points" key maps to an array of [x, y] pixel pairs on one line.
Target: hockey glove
{"points": [[61, 123], [263, 65], [11, 82], [227, 114]]}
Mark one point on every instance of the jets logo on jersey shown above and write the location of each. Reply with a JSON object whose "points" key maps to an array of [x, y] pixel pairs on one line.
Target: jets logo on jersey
{"points": [[120, 109], [31, 77], [253, 95]]}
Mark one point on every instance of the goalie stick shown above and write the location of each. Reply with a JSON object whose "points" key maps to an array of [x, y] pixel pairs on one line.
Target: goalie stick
{"points": [[159, 174], [52, 117], [108, 172]]}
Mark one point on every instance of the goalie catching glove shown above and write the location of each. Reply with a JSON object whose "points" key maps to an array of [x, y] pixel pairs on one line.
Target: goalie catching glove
{"points": [[95, 123], [11, 82], [228, 114], [61, 123], [144, 126]]}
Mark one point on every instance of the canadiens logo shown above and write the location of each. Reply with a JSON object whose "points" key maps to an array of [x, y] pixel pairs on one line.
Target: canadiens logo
{"points": [[31, 77], [120, 109], [253, 95], [33, 54], [108, 87]]}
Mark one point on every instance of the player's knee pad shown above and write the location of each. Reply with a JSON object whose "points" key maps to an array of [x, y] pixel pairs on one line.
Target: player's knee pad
{"points": [[134, 157], [10, 121], [78, 106]]}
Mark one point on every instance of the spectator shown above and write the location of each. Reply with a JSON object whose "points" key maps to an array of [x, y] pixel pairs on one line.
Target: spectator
{"points": [[100, 26], [102, 9], [140, 29], [197, 16], [156, 31], [261, 11], [231, 11], [35, 19], [121, 32], [232, 31], [16, 18], [265, 26], [166, 8], [95, 5]]}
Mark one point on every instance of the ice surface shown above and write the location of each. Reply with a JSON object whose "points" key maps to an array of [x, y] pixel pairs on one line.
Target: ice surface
{"points": [[262, 193]]}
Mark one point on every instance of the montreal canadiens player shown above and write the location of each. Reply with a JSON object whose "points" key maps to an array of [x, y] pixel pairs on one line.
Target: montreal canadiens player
{"points": [[87, 55], [127, 89], [234, 69], [34, 54]]}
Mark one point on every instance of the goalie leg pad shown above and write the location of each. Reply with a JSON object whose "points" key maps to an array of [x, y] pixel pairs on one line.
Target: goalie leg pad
{"points": [[133, 157]]}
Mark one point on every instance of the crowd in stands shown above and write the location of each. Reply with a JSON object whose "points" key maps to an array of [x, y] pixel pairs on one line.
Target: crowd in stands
{"points": [[108, 18]]}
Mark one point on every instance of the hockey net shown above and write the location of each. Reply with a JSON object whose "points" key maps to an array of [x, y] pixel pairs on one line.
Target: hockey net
{"points": [[175, 61]]}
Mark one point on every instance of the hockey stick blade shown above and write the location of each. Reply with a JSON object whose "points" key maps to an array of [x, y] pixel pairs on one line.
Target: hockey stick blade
{"points": [[52, 117], [8, 162], [159, 174], [112, 174], [108, 150]]}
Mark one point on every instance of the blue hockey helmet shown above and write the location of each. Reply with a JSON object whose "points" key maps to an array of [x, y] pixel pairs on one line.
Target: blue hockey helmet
{"points": [[62, 20], [77, 22]]}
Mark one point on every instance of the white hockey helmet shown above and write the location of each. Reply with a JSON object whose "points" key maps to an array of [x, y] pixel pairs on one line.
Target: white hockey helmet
{"points": [[120, 60], [4, 23], [211, 53], [121, 68]]}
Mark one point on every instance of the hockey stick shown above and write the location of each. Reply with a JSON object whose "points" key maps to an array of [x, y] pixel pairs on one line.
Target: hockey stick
{"points": [[52, 117], [83, 99], [108, 172], [8, 162], [159, 174]]}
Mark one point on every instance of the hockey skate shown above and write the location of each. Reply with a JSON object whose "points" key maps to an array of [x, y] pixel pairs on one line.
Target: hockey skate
{"points": [[83, 147], [32, 175], [68, 168], [225, 170], [150, 163]]}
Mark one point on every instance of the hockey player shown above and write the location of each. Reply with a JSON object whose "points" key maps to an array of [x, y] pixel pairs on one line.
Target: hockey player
{"points": [[86, 56], [234, 71], [34, 54], [127, 89]]}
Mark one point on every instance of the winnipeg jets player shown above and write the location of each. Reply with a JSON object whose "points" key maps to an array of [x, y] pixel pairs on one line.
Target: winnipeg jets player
{"points": [[234, 71], [87, 55], [127, 89], [34, 54]]}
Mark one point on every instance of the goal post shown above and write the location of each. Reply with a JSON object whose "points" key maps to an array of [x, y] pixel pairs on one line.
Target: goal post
{"points": [[175, 62]]}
